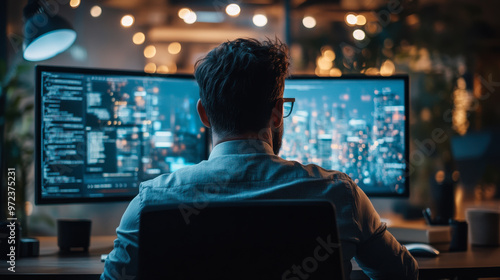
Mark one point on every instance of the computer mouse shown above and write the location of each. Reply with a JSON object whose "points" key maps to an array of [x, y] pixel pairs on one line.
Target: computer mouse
{"points": [[422, 250]]}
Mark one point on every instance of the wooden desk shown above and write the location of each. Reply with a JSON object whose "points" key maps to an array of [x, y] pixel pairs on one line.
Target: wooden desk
{"points": [[475, 263], [53, 265]]}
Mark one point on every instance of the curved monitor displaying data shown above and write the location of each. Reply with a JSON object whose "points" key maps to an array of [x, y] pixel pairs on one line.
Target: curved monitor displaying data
{"points": [[354, 124], [100, 133]]}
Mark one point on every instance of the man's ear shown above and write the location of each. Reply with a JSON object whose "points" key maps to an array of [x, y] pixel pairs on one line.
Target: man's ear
{"points": [[277, 114], [203, 114]]}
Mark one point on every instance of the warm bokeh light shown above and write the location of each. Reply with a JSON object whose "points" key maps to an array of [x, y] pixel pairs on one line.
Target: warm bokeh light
{"points": [[412, 20], [233, 10], [190, 18], [74, 3], [426, 114], [461, 84], [461, 106], [388, 68], [360, 20], [127, 20], [174, 48], [351, 19], [172, 67], [150, 68], [183, 13], [309, 22], [95, 11], [372, 71], [329, 54], [139, 38], [28, 207], [440, 176], [324, 63], [358, 34], [335, 72], [373, 28], [162, 69], [459, 204], [259, 20], [388, 43], [149, 51], [322, 72]]}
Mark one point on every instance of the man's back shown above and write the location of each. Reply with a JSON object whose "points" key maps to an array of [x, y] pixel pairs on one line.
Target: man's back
{"points": [[248, 169]]}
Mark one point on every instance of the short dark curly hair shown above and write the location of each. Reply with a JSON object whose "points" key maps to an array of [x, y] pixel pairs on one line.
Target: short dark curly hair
{"points": [[240, 82]]}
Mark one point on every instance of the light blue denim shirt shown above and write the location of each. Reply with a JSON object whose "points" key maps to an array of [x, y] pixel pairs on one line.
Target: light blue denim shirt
{"points": [[248, 169]]}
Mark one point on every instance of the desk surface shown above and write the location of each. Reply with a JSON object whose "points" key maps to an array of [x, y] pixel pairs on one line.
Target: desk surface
{"points": [[475, 262], [53, 265]]}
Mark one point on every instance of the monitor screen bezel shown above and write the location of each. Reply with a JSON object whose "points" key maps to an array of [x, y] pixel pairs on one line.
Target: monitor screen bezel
{"points": [[406, 79], [39, 200]]}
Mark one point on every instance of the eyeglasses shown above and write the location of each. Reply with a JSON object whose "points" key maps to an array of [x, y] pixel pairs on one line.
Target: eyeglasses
{"points": [[288, 106]]}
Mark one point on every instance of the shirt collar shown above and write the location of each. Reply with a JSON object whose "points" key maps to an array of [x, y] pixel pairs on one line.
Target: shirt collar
{"points": [[248, 146]]}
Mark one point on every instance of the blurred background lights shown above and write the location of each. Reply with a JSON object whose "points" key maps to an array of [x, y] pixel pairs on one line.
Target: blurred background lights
{"points": [[78, 53], [74, 3], [150, 51], [372, 28], [174, 48], [190, 18], [28, 207], [358, 34], [259, 20], [360, 20], [127, 20], [138, 38], [351, 19], [233, 10], [329, 54], [309, 22], [335, 72], [324, 63], [372, 71], [440, 176], [150, 68], [95, 11], [183, 13], [388, 68], [162, 69]]}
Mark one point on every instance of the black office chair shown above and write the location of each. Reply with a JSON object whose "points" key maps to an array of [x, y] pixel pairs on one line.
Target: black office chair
{"points": [[285, 239]]}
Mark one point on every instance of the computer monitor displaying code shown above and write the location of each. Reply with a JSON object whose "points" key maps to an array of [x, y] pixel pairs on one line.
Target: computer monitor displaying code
{"points": [[354, 124], [100, 133]]}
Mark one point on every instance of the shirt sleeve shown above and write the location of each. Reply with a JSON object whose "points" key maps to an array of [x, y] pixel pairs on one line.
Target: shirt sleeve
{"points": [[378, 253], [122, 262]]}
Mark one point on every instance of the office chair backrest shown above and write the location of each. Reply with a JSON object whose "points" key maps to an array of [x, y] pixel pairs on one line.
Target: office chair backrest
{"points": [[285, 239]]}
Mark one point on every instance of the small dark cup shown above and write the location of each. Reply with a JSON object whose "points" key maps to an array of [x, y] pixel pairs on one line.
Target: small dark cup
{"points": [[459, 231], [73, 233]]}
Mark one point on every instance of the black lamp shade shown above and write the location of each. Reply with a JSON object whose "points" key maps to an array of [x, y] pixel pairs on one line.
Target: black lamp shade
{"points": [[46, 36]]}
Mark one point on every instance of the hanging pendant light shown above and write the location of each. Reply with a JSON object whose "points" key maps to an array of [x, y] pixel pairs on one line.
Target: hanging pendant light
{"points": [[45, 34]]}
